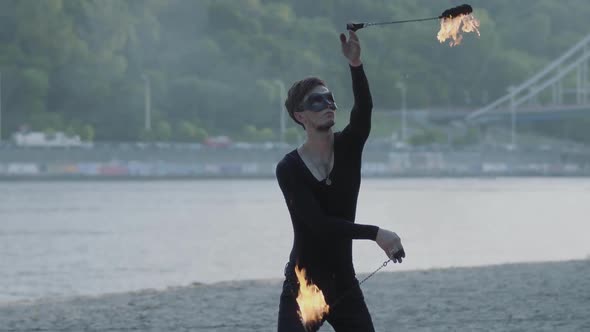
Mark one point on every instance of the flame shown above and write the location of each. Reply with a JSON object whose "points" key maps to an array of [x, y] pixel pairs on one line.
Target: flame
{"points": [[312, 305], [451, 27]]}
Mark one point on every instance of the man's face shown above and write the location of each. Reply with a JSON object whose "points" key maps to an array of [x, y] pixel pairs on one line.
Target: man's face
{"points": [[319, 109]]}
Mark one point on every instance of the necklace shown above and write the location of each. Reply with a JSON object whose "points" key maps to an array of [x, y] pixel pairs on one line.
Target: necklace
{"points": [[326, 170]]}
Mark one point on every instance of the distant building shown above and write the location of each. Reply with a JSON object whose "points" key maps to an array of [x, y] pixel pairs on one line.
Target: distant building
{"points": [[40, 139], [218, 142]]}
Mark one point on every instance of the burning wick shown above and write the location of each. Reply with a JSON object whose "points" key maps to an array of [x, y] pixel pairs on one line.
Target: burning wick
{"points": [[453, 21], [451, 27], [312, 305]]}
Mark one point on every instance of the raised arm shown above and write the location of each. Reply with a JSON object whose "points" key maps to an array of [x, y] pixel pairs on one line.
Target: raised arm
{"points": [[360, 115], [307, 210]]}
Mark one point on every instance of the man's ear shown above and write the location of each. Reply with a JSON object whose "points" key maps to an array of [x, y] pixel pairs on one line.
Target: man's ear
{"points": [[299, 117]]}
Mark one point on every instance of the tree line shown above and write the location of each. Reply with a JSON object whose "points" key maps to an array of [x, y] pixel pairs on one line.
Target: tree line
{"points": [[222, 67]]}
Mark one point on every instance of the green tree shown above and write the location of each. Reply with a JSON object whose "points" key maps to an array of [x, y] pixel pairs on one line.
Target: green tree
{"points": [[185, 131], [87, 133], [292, 135], [217, 60], [163, 130], [265, 135], [250, 133], [200, 134]]}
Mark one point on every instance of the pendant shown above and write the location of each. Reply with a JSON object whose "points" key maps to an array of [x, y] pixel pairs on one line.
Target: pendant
{"points": [[328, 181]]}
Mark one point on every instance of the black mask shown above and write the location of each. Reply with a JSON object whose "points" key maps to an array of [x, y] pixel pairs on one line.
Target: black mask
{"points": [[317, 102]]}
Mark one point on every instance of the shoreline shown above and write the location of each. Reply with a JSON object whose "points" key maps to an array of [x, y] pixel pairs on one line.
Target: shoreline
{"points": [[277, 281], [517, 296]]}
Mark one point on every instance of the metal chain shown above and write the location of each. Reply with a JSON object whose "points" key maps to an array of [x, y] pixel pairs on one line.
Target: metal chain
{"points": [[373, 273], [360, 282]]}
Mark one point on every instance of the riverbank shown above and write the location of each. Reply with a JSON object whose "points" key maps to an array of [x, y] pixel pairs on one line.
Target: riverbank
{"points": [[551, 296]]}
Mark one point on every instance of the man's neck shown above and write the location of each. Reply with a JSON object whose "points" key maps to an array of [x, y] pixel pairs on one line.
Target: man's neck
{"points": [[319, 143]]}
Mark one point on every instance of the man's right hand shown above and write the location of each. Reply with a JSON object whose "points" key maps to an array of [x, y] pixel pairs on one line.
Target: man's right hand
{"points": [[391, 244], [351, 48]]}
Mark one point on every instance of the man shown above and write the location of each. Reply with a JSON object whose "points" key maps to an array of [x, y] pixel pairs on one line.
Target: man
{"points": [[320, 181]]}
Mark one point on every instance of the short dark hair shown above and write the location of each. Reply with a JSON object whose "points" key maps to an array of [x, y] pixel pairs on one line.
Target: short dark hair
{"points": [[297, 92]]}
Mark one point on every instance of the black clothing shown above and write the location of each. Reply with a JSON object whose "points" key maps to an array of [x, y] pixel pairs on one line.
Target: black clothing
{"points": [[323, 214]]}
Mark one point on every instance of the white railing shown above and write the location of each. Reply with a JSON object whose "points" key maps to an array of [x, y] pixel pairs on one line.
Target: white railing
{"points": [[574, 59]]}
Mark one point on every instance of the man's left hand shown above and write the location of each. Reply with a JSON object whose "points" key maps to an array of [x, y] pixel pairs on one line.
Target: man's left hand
{"points": [[351, 48]]}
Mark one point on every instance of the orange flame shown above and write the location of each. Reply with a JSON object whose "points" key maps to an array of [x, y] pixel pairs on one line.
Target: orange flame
{"points": [[451, 27], [312, 305]]}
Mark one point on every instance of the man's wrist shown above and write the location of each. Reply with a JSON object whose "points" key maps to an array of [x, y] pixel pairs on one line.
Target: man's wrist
{"points": [[355, 63], [376, 230]]}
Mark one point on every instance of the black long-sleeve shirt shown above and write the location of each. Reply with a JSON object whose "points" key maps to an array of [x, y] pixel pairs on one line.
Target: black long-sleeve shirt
{"points": [[323, 216]]}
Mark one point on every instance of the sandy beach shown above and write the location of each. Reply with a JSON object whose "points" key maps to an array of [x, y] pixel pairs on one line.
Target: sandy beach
{"points": [[552, 296]]}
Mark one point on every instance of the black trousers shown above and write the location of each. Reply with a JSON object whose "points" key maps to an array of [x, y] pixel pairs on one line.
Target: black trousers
{"points": [[348, 310]]}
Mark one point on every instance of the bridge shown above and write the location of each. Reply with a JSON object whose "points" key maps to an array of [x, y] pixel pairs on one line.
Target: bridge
{"points": [[560, 90], [524, 114]]}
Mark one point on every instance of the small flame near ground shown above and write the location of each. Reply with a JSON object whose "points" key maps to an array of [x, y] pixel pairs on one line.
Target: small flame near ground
{"points": [[451, 27], [311, 301]]}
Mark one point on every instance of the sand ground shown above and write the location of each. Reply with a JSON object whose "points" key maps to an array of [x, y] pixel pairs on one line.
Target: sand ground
{"points": [[552, 296]]}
